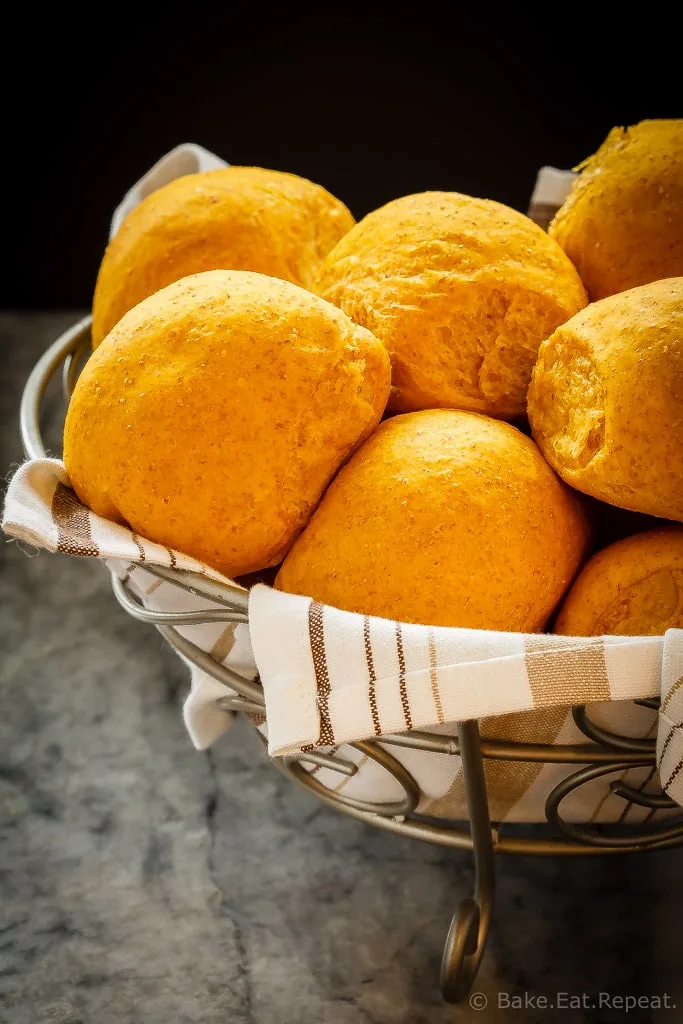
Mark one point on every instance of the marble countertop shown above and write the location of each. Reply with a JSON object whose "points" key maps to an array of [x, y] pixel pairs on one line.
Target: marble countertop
{"points": [[142, 882]]}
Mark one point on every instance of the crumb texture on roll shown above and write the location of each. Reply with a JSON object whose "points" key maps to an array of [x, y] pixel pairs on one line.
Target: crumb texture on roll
{"points": [[631, 588], [461, 291], [213, 416], [235, 218], [622, 224], [443, 517], [606, 400]]}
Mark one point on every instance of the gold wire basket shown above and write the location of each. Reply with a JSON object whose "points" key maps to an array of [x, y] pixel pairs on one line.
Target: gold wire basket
{"points": [[603, 754]]}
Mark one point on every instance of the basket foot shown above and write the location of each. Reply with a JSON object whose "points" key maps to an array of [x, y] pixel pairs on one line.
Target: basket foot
{"points": [[468, 932], [462, 952]]}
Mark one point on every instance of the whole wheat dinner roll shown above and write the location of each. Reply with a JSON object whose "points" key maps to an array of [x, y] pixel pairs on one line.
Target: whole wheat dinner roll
{"points": [[606, 399], [461, 291], [215, 413], [443, 517], [632, 588], [236, 218], [622, 224]]}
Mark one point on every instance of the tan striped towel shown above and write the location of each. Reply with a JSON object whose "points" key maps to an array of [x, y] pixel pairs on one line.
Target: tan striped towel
{"points": [[331, 677]]}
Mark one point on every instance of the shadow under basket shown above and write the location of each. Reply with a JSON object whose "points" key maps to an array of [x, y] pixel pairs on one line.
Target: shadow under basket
{"points": [[604, 753]]}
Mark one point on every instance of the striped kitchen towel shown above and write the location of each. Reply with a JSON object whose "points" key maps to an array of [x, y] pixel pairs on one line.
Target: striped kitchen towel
{"points": [[331, 677], [187, 158], [550, 191], [42, 510]]}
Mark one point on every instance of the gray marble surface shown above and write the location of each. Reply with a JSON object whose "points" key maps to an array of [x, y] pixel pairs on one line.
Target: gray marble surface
{"points": [[142, 882]]}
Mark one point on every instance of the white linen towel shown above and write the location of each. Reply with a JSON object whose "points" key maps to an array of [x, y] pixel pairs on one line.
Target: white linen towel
{"points": [[331, 677]]}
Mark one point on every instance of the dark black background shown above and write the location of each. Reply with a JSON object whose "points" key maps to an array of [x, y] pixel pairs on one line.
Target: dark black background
{"points": [[473, 98]]}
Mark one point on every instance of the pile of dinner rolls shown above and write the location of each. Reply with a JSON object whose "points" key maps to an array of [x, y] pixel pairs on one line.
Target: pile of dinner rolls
{"points": [[432, 415]]}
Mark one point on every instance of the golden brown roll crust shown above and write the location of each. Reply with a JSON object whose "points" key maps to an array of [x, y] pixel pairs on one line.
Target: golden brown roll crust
{"points": [[622, 224], [215, 413], [443, 517], [461, 291], [606, 399], [631, 588], [235, 218]]}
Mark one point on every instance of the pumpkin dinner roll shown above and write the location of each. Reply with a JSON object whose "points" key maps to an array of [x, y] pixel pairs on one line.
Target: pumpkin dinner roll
{"points": [[461, 291], [622, 223], [235, 218], [213, 416], [446, 518], [606, 399], [631, 588]]}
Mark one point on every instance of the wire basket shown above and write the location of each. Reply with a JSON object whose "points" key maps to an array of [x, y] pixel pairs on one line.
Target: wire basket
{"points": [[604, 753]]}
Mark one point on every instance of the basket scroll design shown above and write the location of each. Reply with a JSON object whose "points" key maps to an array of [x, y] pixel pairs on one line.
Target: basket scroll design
{"points": [[603, 754]]}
